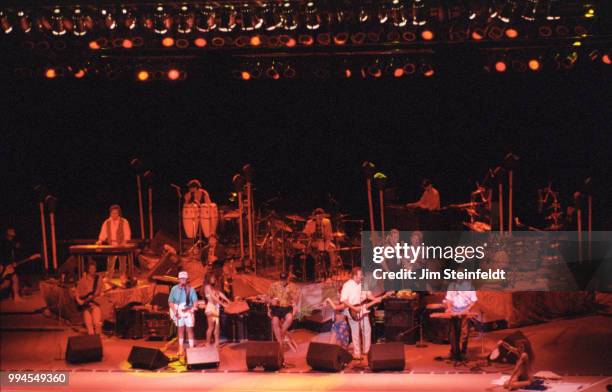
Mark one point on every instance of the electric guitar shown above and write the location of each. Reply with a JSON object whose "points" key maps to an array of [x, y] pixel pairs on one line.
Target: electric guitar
{"points": [[363, 308], [10, 268], [181, 312]]}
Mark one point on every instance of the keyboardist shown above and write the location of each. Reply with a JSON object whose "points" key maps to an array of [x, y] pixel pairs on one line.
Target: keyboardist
{"points": [[115, 231]]}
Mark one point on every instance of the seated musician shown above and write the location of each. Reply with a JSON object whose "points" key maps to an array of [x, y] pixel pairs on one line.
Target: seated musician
{"points": [[213, 254], [430, 198], [9, 278], [183, 301], [460, 298], [319, 230], [88, 289], [115, 231], [214, 299], [282, 299]]}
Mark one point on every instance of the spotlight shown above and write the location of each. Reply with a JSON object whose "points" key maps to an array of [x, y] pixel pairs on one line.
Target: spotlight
{"points": [[78, 72], [305, 39], [205, 19], [185, 20], [511, 33], [363, 16], [398, 72], [161, 20], [347, 73], [168, 42], [534, 65], [374, 69], [341, 38], [500, 66], [174, 74], [200, 42], [530, 10], [477, 34], [108, 20], [128, 19], [313, 19], [476, 8], [397, 14], [272, 72], [57, 23], [127, 44], [143, 75], [5, 23], [245, 75], [272, 19], [24, 22], [50, 73], [250, 20], [552, 10], [419, 13], [94, 45], [227, 18], [507, 11], [289, 17], [82, 23], [426, 70], [383, 14], [606, 59], [255, 40], [427, 35]]}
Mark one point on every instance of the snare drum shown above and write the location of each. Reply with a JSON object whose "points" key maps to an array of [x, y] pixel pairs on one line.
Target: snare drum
{"points": [[191, 219], [209, 218]]}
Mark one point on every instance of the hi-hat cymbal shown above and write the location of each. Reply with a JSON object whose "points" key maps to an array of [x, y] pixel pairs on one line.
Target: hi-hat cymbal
{"points": [[295, 218], [282, 226]]}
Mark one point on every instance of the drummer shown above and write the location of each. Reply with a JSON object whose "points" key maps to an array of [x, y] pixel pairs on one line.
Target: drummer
{"points": [[319, 230]]}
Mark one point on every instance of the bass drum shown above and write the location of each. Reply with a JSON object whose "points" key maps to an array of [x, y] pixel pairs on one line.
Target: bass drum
{"points": [[209, 218], [191, 219]]}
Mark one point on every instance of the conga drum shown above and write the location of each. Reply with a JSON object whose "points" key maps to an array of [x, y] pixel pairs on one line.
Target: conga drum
{"points": [[191, 219], [209, 218]]}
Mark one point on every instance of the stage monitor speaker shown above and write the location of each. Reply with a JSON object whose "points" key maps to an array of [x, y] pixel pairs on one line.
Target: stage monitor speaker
{"points": [[387, 356], [259, 326], [268, 355], [516, 339], [202, 357], [147, 358], [327, 357], [82, 349]]}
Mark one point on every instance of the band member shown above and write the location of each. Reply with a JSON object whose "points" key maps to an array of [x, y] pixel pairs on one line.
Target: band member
{"points": [[282, 298], [521, 374], [214, 299], [339, 333], [213, 254], [88, 289], [460, 298], [183, 301], [352, 296], [430, 199], [196, 193], [319, 230], [115, 231], [9, 278]]}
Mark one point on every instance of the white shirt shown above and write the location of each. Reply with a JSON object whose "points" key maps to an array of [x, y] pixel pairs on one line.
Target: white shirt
{"points": [[351, 293], [461, 296], [127, 234]]}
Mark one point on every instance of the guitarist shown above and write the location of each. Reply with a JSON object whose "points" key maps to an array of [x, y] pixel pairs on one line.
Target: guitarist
{"points": [[352, 296], [460, 298], [88, 288], [183, 302]]}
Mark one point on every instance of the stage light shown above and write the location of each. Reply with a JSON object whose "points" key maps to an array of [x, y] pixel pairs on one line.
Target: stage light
{"points": [[511, 33], [108, 20], [255, 40], [374, 69], [398, 72], [250, 19], [80, 73], [427, 35], [245, 75], [82, 23], [143, 75], [128, 19], [476, 9], [24, 22], [174, 74], [227, 18], [363, 16], [398, 14], [205, 19], [347, 73], [568, 61], [94, 45], [606, 59], [272, 72], [426, 70], [305, 39], [5, 23], [272, 19], [419, 13], [57, 23], [500, 66], [200, 42], [185, 20], [290, 42], [478, 34], [127, 44], [590, 13], [552, 10], [289, 17], [313, 19], [168, 42], [50, 73], [341, 38], [383, 14], [534, 65], [161, 20], [507, 11], [530, 10]]}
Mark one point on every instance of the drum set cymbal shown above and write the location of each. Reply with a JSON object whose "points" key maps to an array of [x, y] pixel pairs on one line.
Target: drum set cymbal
{"points": [[280, 225], [295, 218]]}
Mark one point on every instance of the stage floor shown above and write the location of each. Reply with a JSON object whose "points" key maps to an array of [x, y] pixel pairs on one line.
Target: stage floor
{"points": [[579, 349]]}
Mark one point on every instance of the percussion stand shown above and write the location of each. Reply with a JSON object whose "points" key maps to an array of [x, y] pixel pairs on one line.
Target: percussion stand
{"points": [[43, 228]]}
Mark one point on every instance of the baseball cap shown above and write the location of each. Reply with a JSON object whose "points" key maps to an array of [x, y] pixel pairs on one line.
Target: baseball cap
{"points": [[183, 275]]}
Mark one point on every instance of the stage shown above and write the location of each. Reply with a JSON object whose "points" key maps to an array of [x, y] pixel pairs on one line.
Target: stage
{"points": [[578, 349]]}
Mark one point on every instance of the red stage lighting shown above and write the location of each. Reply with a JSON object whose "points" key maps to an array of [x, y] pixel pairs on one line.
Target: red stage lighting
{"points": [[347, 73], [174, 74], [398, 72], [94, 45], [427, 35], [306, 40], [477, 35], [534, 65], [255, 40], [168, 42], [50, 73], [142, 75], [500, 66], [606, 59], [245, 75], [511, 33], [200, 42], [79, 74], [272, 73], [127, 44]]}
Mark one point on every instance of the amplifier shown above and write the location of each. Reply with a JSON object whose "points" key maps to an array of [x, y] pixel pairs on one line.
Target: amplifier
{"points": [[156, 326]]}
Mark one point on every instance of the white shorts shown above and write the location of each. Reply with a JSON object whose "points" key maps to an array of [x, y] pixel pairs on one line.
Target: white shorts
{"points": [[185, 322]]}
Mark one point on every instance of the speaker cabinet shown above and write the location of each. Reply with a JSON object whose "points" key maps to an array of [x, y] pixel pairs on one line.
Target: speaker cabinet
{"points": [[327, 357], [82, 349], [202, 357], [387, 356], [268, 355], [147, 358]]}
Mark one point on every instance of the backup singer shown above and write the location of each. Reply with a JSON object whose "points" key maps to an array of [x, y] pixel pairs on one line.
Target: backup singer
{"points": [[183, 301], [352, 296], [214, 300], [460, 298], [88, 289], [115, 231], [430, 199], [282, 299]]}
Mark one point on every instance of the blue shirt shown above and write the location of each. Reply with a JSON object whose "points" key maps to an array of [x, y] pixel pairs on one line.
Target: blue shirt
{"points": [[178, 295]]}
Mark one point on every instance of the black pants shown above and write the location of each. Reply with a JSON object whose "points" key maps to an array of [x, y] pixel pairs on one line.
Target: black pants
{"points": [[458, 337]]}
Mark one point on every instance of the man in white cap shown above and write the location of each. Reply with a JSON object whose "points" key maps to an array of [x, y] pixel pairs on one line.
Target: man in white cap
{"points": [[183, 302]]}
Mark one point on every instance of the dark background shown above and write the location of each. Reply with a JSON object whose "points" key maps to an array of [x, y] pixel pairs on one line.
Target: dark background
{"points": [[305, 139]]}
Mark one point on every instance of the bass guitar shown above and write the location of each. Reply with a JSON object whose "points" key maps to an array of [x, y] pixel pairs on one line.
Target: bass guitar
{"points": [[363, 308]]}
